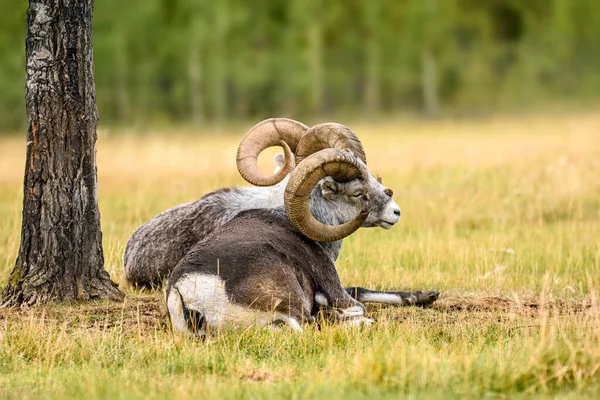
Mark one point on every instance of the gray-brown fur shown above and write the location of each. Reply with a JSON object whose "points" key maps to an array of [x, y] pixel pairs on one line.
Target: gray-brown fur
{"points": [[156, 247], [169, 236], [262, 257]]}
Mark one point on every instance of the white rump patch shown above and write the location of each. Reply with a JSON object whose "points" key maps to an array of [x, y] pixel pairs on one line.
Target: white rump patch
{"points": [[206, 294]]}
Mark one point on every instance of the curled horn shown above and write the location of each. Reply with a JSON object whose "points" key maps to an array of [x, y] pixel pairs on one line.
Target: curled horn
{"points": [[329, 135], [270, 132], [341, 166]]}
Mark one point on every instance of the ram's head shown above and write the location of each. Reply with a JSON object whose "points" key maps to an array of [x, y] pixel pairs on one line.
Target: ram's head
{"points": [[327, 157]]}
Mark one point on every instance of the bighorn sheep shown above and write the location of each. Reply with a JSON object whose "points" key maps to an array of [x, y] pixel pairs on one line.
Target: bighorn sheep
{"points": [[275, 266], [156, 247]]}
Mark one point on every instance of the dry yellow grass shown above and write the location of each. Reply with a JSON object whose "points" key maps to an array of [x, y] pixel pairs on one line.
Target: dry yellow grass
{"points": [[502, 215]]}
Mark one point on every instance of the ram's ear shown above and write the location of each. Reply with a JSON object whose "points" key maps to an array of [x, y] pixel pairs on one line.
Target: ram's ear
{"points": [[279, 159], [329, 188]]}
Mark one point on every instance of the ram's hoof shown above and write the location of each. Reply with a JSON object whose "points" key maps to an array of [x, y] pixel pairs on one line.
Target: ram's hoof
{"points": [[424, 297]]}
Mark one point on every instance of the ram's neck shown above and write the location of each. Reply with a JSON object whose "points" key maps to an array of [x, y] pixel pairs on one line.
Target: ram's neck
{"points": [[330, 213], [219, 207], [233, 201], [260, 197]]}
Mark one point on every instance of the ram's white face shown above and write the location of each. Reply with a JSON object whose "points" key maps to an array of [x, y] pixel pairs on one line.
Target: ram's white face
{"points": [[384, 210], [354, 194]]}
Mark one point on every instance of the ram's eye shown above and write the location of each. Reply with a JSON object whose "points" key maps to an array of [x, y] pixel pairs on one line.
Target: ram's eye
{"points": [[357, 195]]}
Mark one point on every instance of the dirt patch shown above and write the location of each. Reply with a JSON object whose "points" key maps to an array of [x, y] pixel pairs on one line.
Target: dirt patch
{"points": [[482, 308], [146, 313], [137, 313], [523, 303]]}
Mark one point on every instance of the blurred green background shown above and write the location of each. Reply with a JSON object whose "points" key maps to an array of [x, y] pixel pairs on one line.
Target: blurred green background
{"points": [[205, 63]]}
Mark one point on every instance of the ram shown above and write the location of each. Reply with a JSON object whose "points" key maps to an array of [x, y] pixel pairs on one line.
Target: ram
{"points": [[277, 266], [156, 247]]}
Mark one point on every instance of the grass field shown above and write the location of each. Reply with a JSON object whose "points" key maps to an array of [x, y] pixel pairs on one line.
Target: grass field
{"points": [[501, 215]]}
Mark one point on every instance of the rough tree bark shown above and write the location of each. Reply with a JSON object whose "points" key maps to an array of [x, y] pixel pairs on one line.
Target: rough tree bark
{"points": [[60, 257]]}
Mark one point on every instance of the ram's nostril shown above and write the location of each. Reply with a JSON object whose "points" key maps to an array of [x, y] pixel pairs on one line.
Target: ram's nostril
{"points": [[397, 211]]}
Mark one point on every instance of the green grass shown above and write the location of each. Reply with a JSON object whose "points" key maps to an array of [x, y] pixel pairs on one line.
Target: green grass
{"points": [[501, 215]]}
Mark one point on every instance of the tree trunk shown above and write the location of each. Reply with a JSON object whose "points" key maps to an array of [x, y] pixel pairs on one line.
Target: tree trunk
{"points": [[60, 257]]}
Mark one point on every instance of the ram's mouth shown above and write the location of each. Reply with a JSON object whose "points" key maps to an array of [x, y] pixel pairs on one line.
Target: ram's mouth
{"points": [[386, 224]]}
